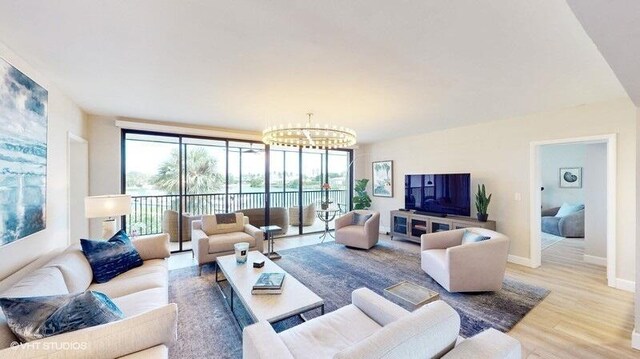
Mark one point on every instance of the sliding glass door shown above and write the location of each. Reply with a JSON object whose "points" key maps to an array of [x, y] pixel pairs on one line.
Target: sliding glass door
{"points": [[174, 179]]}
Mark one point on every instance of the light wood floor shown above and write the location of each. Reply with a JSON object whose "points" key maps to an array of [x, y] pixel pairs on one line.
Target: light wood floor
{"points": [[582, 317]]}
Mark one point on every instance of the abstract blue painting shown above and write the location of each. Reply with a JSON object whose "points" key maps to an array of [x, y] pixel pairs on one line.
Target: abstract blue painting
{"points": [[23, 154]]}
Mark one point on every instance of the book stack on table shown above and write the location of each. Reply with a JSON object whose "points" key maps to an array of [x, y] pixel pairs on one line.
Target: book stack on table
{"points": [[269, 283]]}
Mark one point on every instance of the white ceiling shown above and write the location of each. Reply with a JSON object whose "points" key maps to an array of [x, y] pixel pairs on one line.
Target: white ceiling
{"points": [[385, 68], [614, 26]]}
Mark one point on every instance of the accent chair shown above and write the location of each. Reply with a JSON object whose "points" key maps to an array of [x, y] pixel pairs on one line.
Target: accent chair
{"points": [[215, 235], [170, 225], [352, 233], [278, 216], [470, 267], [373, 327], [308, 215]]}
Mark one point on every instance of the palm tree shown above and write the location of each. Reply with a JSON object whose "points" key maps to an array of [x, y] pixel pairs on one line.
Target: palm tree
{"points": [[201, 175]]}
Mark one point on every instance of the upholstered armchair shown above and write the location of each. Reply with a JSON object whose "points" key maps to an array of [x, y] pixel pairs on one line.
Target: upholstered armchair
{"points": [[308, 215], [470, 267], [215, 235], [364, 235], [278, 216], [170, 225]]}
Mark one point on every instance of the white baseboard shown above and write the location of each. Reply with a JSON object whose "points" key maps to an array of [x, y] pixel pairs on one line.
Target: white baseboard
{"points": [[519, 260], [599, 261], [626, 285], [385, 230], [635, 339]]}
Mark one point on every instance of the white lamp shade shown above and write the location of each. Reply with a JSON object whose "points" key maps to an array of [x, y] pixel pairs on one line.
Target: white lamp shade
{"points": [[107, 206]]}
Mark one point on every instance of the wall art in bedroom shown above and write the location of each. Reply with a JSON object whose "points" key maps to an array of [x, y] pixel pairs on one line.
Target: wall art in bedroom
{"points": [[23, 154]]}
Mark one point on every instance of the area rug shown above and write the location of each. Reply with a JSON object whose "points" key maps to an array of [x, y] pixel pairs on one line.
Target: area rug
{"points": [[207, 328]]}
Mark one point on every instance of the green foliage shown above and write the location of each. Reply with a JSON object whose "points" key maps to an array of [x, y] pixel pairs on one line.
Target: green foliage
{"points": [[137, 179], [361, 199], [256, 181], [482, 201], [202, 175]]}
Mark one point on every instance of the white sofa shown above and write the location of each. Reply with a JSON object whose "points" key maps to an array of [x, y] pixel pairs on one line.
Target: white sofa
{"points": [[373, 327], [150, 322]]}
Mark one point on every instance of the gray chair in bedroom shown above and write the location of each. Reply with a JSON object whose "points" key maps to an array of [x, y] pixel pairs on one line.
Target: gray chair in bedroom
{"points": [[569, 225]]}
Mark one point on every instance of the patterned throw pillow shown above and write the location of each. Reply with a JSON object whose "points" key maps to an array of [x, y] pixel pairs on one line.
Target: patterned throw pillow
{"points": [[111, 258], [360, 219], [33, 318], [470, 237]]}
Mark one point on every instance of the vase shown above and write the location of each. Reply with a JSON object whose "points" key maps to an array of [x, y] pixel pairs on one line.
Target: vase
{"points": [[482, 217]]}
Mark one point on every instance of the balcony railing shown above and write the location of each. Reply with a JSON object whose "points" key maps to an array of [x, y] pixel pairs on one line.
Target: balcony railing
{"points": [[146, 211]]}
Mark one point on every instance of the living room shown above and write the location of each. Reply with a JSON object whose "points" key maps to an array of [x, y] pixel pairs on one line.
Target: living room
{"points": [[137, 91]]}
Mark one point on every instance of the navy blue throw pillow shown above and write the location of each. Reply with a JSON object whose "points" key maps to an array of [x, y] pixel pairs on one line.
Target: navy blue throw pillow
{"points": [[33, 318], [111, 258]]}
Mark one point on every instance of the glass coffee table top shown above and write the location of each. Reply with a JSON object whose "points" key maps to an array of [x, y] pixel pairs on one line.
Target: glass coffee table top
{"points": [[412, 294]]}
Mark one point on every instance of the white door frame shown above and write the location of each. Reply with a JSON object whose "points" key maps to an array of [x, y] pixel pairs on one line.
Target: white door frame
{"points": [[71, 137], [536, 197]]}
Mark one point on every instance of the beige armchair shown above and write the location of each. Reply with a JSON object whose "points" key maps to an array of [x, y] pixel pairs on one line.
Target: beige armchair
{"points": [[278, 216], [358, 236], [170, 225], [308, 215], [215, 235], [471, 267]]}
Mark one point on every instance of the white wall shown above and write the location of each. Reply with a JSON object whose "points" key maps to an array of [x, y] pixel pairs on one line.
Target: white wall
{"points": [[636, 330], [64, 116], [497, 154], [104, 156], [78, 189], [595, 199], [552, 158]]}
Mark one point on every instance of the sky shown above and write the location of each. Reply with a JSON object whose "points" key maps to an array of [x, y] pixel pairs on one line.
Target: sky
{"points": [[146, 157]]}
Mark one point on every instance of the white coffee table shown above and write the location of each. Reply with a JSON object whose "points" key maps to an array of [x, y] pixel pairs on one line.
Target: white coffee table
{"points": [[295, 299]]}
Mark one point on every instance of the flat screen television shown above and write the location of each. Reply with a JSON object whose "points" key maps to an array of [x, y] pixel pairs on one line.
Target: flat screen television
{"points": [[438, 194]]}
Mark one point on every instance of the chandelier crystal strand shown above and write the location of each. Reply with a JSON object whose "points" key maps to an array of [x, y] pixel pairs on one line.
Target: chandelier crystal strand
{"points": [[315, 136]]}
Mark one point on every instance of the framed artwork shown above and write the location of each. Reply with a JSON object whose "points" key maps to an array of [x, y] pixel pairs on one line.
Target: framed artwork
{"points": [[23, 155], [382, 178], [571, 177]]}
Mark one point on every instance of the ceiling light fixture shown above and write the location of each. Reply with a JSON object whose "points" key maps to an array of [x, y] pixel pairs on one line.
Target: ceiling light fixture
{"points": [[311, 135]]}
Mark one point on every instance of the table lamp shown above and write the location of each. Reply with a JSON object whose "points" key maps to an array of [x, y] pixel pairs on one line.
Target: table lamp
{"points": [[109, 207]]}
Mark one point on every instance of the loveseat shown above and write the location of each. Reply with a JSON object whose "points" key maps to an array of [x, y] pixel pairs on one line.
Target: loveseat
{"points": [[373, 327], [150, 322]]}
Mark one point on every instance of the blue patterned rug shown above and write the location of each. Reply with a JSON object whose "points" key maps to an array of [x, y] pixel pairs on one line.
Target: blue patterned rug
{"points": [[207, 328]]}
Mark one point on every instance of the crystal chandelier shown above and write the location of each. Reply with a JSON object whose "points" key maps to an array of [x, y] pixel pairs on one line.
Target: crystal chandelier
{"points": [[311, 135]]}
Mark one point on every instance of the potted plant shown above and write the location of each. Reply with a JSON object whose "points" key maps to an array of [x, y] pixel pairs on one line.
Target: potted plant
{"points": [[482, 203], [361, 200]]}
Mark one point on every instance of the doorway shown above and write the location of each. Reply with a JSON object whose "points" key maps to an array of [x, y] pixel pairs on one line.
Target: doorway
{"points": [[567, 187], [78, 187]]}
